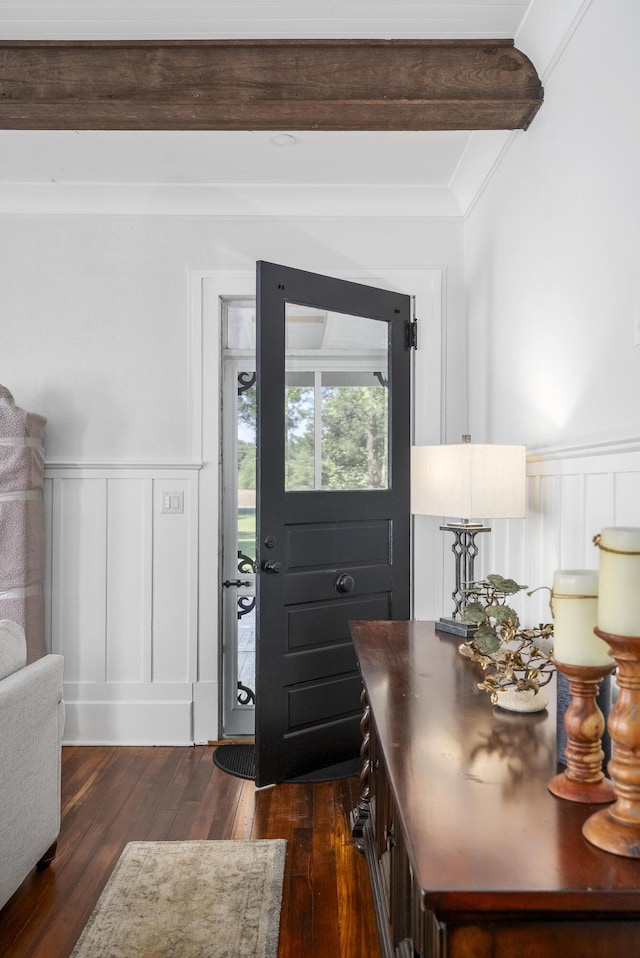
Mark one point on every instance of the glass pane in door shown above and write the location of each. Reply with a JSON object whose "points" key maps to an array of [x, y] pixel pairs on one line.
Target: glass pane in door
{"points": [[238, 450], [336, 400], [246, 538]]}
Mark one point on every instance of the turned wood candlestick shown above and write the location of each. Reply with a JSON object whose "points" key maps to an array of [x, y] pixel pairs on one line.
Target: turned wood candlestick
{"points": [[617, 829], [583, 779]]}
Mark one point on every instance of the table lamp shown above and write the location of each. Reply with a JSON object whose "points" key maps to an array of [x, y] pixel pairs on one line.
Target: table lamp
{"points": [[467, 479]]}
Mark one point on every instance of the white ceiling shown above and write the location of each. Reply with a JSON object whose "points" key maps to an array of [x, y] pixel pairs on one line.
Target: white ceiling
{"points": [[218, 160], [235, 19]]}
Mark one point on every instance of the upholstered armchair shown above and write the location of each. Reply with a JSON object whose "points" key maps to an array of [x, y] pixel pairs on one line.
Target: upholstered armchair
{"points": [[31, 725]]}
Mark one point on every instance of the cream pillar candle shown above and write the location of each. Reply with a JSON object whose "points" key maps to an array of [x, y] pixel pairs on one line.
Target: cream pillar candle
{"points": [[619, 592], [575, 609]]}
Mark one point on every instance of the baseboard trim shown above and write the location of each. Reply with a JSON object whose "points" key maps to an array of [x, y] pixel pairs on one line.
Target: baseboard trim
{"points": [[103, 722]]}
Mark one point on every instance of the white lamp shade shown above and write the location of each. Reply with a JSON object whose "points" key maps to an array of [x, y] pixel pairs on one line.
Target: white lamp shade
{"points": [[469, 480]]}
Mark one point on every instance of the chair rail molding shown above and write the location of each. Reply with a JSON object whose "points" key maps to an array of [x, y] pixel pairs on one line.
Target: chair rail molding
{"points": [[586, 448], [114, 468]]}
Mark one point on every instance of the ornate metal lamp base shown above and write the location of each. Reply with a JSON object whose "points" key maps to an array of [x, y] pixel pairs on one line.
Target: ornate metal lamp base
{"points": [[465, 550], [456, 627]]}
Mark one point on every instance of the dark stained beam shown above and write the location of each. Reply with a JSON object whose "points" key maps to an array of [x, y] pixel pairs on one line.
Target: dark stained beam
{"points": [[266, 85]]}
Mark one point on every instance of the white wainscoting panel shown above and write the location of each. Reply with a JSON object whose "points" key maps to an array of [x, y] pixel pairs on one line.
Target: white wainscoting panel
{"points": [[122, 583], [122, 595], [175, 579], [128, 585], [79, 577], [572, 494]]}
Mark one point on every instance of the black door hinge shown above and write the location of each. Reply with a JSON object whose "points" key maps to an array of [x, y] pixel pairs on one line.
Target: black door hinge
{"points": [[412, 335]]}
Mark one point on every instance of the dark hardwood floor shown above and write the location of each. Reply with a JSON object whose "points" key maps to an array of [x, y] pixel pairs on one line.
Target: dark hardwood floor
{"points": [[111, 796]]}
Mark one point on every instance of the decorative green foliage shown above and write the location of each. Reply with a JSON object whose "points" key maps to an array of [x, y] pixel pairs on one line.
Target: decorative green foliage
{"points": [[505, 586], [504, 614], [475, 613], [487, 639], [509, 655]]}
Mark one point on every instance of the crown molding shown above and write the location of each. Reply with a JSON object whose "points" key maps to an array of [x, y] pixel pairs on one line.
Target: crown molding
{"points": [[482, 156], [228, 200]]}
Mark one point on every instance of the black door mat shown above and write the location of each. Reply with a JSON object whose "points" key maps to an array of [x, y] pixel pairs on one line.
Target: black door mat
{"points": [[239, 760]]}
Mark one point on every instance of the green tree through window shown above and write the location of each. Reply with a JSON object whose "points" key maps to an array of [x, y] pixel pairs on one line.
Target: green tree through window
{"points": [[354, 437]]}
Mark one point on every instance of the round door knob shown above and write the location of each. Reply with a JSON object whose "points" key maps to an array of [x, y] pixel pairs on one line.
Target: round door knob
{"points": [[272, 566], [345, 583]]}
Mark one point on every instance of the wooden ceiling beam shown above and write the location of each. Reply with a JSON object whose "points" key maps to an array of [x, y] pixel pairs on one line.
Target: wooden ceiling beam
{"points": [[266, 85]]}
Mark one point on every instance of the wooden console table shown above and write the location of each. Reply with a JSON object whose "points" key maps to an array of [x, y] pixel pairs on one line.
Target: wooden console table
{"points": [[469, 854]]}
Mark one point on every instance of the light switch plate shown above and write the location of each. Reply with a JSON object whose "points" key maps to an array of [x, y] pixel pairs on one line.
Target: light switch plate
{"points": [[172, 502]]}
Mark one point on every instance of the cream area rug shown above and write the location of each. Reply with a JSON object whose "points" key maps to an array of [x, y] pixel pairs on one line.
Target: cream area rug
{"points": [[200, 899]]}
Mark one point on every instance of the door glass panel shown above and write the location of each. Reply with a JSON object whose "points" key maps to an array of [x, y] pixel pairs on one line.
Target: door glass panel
{"points": [[336, 401], [238, 516], [246, 537], [239, 332]]}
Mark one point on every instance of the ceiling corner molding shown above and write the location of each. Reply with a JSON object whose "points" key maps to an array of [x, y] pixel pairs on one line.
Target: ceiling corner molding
{"points": [[547, 30], [267, 85], [483, 154]]}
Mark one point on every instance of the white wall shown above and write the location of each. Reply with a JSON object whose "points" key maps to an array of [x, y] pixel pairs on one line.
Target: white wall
{"points": [[95, 323], [99, 335], [553, 291], [551, 253]]}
